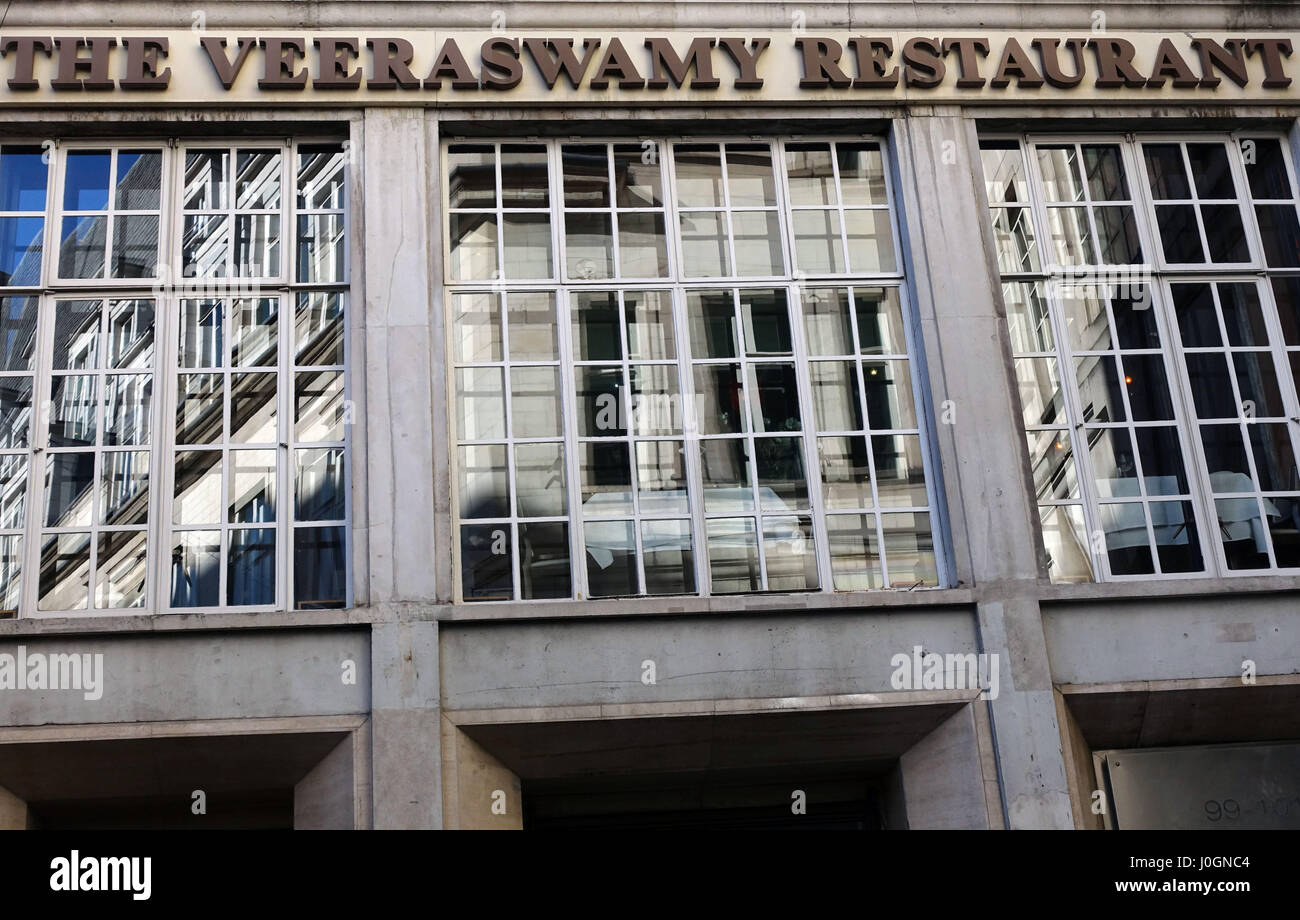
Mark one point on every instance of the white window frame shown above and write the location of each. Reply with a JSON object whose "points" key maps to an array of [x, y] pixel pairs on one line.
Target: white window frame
{"points": [[678, 285], [166, 292], [1161, 276]]}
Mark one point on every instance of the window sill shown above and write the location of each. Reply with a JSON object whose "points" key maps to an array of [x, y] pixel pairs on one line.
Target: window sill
{"points": [[1173, 587]]}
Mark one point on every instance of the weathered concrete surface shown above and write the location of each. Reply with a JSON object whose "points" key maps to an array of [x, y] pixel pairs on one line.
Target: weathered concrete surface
{"points": [[326, 798], [1183, 638], [574, 663], [943, 788], [215, 675], [406, 727]]}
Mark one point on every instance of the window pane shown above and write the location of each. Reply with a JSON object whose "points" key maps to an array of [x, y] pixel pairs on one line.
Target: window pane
{"points": [[320, 246], [845, 473], [837, 402], [1051, 461], [197, 488], [611, 558], [606, 479], [1178, 233], [473, 246], [86, 180], [1225, 233], [72, 411], [1148, 390], [11, 561], [1099, 390], [1244, 539], [1105, 171], [1166, 172], [253, 408], [1274, 458], [206, 179], [698, 169], [201, 333], [661, 477], [319, 329], [669, 557], [524, 177], [1162, 461], [321, 172], [728, 486], [1005, 181], [650, 333], [251, 486], [1066, 543], [655, 402], [642, 245], [65, 572], [589, 245], [889, 394], [703, 244], [486, 569], [1211, 389], [1266, 170], [862, 173], [773, 398], [789, 554], [121, 569], [471, 176], [124, 488], [733, 556], [1014, 240], [69, 478], [1127, 544], [544, 561], [476, 328], [1210, 170], [782, 482], [713, 324], [900, 471], [1261, 397], [817, 242], [483, 486], [480, 404], [23, 179], [719, 399], [539, 480], [21, 242], [826, 321], [199, 409], [1113, 466], [757, 239], [750, 182], [767, 323], [1242, 315], [909, 550], [586, 176], [1280, 231], [601, 410], [810, 174], [636, 175], [135, 246], [854, 551], [319, 568], [257, 179], [1060, 169], [527, 246], [81, 254], [532, 328], [535, 402], [1118, 234], [204, 246], [13, 491], [880, 321], [196, 569], [871, 244], [319, 485], [1071, 237], [15, 412], [250, 567]]}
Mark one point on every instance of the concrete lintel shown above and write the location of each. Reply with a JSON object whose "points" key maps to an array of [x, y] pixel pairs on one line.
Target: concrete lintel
{"points": [[709, 707]]}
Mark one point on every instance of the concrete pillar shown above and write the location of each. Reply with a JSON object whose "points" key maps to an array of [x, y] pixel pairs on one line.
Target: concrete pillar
{"points": [[398, 217], [943, 788], [980, 442], [326, 798], [482, 793], [13, 811], [405, 726]]}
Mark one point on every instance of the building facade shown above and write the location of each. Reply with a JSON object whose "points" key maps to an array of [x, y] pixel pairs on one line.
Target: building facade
{"points": [[451, 415]]}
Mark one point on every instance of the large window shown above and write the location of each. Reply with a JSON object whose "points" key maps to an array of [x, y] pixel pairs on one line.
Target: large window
{"points": [[681, 368], [172, 379], [1151, 293]]}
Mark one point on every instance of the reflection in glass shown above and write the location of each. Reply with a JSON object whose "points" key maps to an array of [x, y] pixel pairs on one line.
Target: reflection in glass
{"points": [[319, 568], [121, 569], [250, 567], [486, 570], [251, 485]]}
